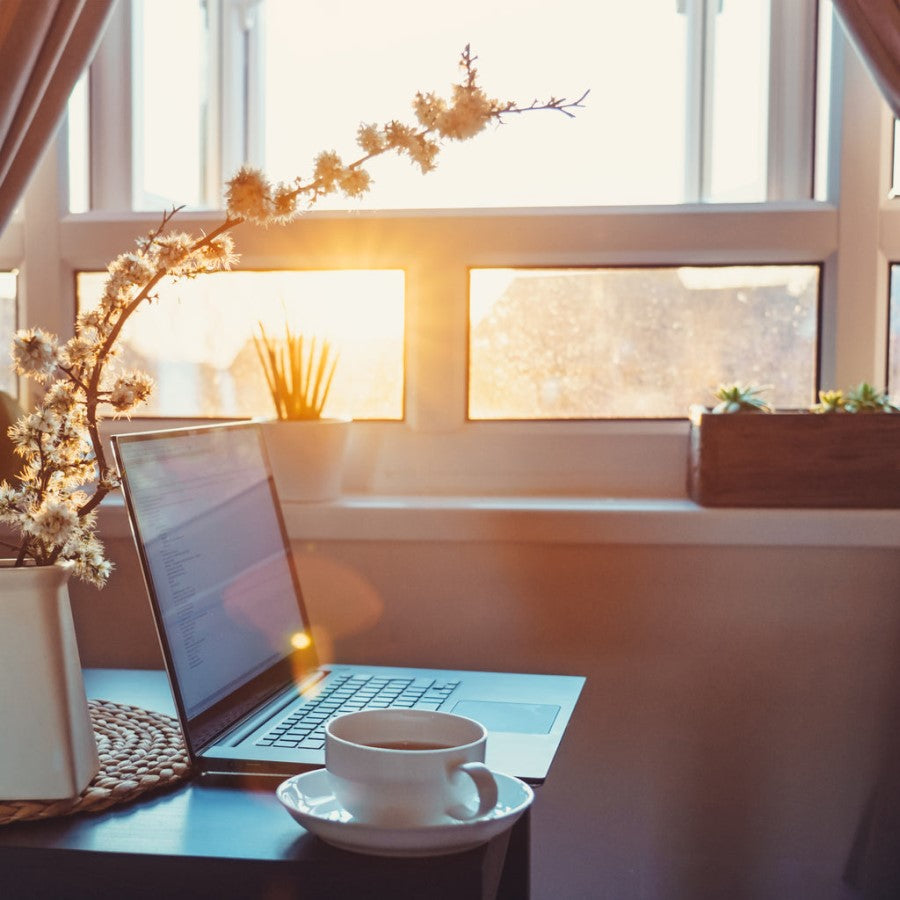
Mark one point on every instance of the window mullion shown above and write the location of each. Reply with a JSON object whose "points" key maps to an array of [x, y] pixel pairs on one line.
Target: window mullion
{"points": [[254, 85], [708, 14], [213, 132], [239, 88], [695, 52], [436, 335]]}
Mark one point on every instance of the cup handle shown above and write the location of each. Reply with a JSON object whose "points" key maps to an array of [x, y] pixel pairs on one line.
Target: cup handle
{"points": [[485, 784]]}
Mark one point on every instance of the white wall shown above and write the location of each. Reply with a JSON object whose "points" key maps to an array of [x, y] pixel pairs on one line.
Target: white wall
{"points": [[736, 706]]}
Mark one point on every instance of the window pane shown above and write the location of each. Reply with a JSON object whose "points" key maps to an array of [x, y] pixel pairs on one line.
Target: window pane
{"points": [[627, 146], [170, 103], [634, 343], [740, 102], [79, 145], [895, 181], [7, 327], [894, 336], [197, 340]]}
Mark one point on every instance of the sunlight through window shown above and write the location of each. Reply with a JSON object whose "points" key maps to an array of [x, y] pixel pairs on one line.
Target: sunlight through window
{"points": [[611, 156], [628, 342], [196, 342]]}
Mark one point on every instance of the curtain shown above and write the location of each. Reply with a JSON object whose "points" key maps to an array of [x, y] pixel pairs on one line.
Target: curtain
{"points": [[44, 47], [873, 27]]}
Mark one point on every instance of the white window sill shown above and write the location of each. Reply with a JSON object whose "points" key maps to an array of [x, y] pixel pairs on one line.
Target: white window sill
{"points": [[567, 520]]}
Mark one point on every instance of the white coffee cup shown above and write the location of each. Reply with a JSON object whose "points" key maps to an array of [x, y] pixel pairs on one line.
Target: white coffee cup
{"points": [[409, 767]]}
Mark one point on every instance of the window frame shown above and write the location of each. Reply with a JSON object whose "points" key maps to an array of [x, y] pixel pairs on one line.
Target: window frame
{"points": [[435, 449]]}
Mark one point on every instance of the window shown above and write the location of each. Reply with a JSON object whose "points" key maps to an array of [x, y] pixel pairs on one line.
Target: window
{"points": [[693, 100], [637, 342], [693, 161], [215, 372]]}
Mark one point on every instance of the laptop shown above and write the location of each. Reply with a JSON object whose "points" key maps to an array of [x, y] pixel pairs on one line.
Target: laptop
{"points": [[251, 694]]}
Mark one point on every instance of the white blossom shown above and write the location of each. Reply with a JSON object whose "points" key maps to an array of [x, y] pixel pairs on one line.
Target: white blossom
{"points": [[34, 353], [249, 196], [129, 390], [53, 522]]}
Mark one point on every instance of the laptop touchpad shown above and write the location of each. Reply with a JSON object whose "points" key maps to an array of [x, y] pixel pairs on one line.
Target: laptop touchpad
{"points": [[524, 718]]}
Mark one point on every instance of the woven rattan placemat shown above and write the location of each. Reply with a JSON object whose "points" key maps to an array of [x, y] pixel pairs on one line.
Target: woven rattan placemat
{"points": [[139, 751]]}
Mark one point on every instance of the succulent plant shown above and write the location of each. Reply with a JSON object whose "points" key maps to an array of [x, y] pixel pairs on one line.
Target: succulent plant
{"points": [[865, 398], [830, 402], [736, 398]]}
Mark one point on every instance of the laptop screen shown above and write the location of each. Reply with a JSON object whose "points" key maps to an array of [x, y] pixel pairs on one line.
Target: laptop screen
{"points": [[216, 560]]}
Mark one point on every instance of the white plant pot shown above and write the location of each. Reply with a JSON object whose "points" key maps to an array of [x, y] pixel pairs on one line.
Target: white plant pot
{"points": [[307, 457], [47, 745]]}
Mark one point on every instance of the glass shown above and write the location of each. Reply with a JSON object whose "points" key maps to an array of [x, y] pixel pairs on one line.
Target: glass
{"points": [[170, 103], [196, 341], [79, 147], [893, 373], [740, 103], [895, 171], [638, 342], [627, 146], [8, 325]]}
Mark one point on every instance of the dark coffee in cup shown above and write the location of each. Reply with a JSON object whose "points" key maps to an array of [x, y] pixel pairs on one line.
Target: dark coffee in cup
{"points": [[407, 745]]}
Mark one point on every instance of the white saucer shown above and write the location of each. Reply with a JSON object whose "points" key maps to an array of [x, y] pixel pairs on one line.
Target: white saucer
{"points": [[309, 800]]}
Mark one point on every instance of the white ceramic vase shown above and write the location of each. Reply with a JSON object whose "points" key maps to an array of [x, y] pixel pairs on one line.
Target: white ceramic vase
{"points": [[47, 746], [307, 457]]}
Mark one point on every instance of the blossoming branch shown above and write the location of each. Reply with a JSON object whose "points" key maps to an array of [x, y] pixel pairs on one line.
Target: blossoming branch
{"points": [[65, 474]]}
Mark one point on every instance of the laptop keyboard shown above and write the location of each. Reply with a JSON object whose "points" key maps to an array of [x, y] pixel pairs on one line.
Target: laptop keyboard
{"points": [[341, 693]]}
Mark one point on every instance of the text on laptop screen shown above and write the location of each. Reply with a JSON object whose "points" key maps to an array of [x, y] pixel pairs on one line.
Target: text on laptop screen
{"points": [[203, 504]]}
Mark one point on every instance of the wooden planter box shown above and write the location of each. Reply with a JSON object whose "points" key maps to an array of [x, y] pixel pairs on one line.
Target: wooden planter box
{"points": [[795, 459]]}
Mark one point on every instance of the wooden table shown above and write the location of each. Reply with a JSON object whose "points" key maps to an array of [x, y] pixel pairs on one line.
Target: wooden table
{"points": [[227, 839]]}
